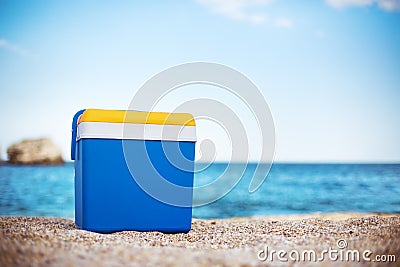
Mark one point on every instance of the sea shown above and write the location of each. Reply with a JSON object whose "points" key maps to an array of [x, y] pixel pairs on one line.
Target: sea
{"points": [[48, 191]]}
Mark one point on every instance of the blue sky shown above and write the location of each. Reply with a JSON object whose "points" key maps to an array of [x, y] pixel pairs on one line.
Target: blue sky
{"points": [[330, 70]]}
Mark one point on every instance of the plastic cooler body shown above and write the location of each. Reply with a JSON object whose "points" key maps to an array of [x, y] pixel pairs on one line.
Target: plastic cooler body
{"points": [[108, 198]]}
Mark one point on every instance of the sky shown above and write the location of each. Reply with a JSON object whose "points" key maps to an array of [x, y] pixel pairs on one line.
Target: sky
{"points": [[330, 70]]}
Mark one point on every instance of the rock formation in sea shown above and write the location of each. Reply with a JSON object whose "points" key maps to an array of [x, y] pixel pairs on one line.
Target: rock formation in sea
{"points": [[37, 151]]}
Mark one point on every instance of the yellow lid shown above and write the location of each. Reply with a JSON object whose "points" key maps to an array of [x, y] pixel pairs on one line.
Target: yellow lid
{"points": [[136, 117]]}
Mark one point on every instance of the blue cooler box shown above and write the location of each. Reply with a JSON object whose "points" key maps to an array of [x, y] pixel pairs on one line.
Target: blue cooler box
{"points": [[133, 170]]}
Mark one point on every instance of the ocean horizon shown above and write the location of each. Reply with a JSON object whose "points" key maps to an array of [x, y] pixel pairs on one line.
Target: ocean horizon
{"points": [[290, 188]]}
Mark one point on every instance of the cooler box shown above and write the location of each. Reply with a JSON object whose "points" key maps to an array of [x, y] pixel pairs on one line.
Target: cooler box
{"points": [[133, 170]]}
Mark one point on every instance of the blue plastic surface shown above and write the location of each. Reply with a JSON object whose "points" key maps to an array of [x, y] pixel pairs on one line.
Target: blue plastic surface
{"points": [[108, 199], [73, 130]]}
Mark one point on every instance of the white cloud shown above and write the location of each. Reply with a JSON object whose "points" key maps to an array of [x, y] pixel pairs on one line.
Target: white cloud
{"points": [[238, 9], [388, 5], [283, 23], [346, 3], [15, 48], [246, 10]]}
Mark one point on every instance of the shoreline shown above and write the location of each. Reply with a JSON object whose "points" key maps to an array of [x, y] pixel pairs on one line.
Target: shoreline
{"points": [[27, 241]]}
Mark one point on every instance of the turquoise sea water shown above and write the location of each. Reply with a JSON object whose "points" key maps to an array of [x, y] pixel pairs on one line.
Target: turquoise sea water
{"points": [[289, 189]]}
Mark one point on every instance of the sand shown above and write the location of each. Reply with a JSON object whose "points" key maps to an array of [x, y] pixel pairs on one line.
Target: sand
{"points": [[26, 241]]}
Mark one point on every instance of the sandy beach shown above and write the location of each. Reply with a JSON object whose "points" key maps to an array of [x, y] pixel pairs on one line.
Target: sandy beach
{"points": [[26, 241]]}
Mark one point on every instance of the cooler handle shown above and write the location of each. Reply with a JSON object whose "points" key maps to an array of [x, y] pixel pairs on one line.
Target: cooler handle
{"points": [[74, 129]]}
